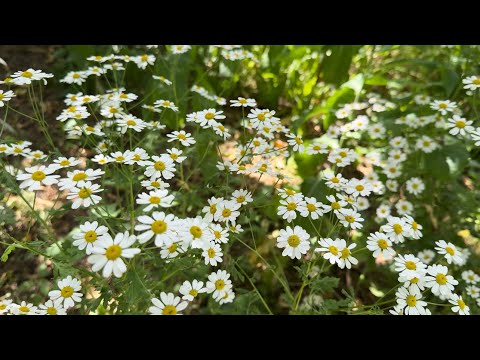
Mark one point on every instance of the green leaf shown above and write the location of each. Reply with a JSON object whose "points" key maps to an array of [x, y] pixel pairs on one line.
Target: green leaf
{"points": [[376, 80], [336, 66], [7, 252], [356, 83], [324, 284], [437, 166], [450, 80]]}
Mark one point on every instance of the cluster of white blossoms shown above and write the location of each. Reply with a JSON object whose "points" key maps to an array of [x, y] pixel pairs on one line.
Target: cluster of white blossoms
{"points": [[61, 300], [359, 185]]}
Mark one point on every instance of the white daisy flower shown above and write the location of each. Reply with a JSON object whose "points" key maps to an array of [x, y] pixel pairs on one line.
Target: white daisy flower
{"points": [[154, 199], [159, 226], [190, 290], [409, 266], [470, 277], [109, 252], [410, 301], [88, 235], [443, 106], [243, 102], [380, 244], [33, 177], [165, 104], [294, 241], [67, 293], [184, 138], [350, 218], [83, 194], [330, 248], [218, 284], [449, 251], [439, 281], [168, 305], [459, 305], [212, 253], [23, 308]]}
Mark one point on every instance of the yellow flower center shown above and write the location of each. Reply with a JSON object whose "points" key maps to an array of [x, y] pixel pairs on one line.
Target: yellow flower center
{"points": [[441, 279], [333, 249], [471, 277], [345, 253], [242, 101], [159, 166], [211, 253], [51, 311], [382, 244], [123, 96], [226, 213], [75, 75], [242, 167], [193, 292], [442, 106], [415, 186], [414, 280], [113, 110], [90, 236], [426, 143], [181, 137], [217, 234], [144, 57], [311, 207], [219, 284], [3, 306], [397, 229], [335, 205], [154, 200], [317, 147], [79, 176], [342, 154], [209, 116], [450, 250], [290, 192], [298, 140], [17, 150], [461, 304], [411, 300], [3, 148], [66, 292], [350, 219], [27, 74], [414, 225], [113, 252], [84, 193], [159, 227], [261, 117], [136, 157], [476, 81], [196, 231], [64, 163], [172, 248], [169, 310], [410, 265], [166, 103], [460, 124], [120, 158], [155, 184], [213, 209], [131, 122], [24, 309], [240, 199], [335, 180], [291, 206], [174, 156], [38, 176], [359, 187], [293, 241]]}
